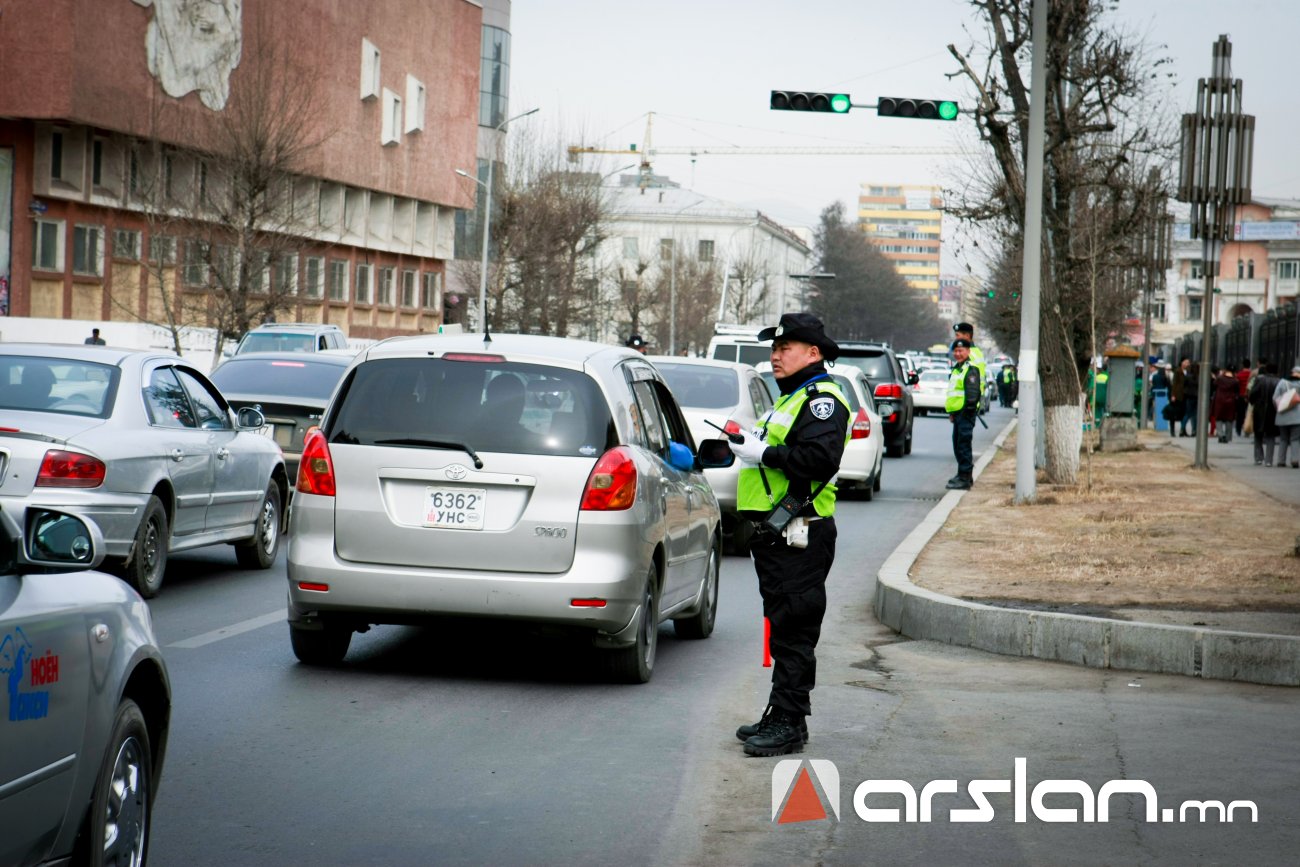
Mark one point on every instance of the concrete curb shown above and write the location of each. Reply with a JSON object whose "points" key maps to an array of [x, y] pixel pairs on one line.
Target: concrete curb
{"points": [[1094, 641]]}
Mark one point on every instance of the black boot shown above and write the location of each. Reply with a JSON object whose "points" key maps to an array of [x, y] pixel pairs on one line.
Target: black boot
{"points": [[779, 733], [746, 732], [960, 483]]}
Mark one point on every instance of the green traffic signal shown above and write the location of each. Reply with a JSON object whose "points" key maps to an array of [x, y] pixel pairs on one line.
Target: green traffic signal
{"points": [[840, 103], [805, 100], [992, 293], [947, 110], [925, 109]]}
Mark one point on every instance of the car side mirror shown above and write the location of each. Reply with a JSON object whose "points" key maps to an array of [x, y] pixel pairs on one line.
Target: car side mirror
{"points": [[714, 454], [59, 542], [679, 455], [251, 418]]}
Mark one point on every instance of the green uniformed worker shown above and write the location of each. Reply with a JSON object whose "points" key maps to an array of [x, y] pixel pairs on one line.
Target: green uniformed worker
{"points": [[962, 405], [966, 331], [792, 458], [1006, 384]]}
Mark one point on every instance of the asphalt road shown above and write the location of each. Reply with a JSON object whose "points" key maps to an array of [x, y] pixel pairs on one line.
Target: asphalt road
{"points": [[451, 744]]}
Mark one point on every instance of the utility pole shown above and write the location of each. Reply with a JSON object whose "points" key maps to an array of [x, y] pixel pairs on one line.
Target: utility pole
{"points": [[1026, 440], [1154, 245], [1214, 176]]}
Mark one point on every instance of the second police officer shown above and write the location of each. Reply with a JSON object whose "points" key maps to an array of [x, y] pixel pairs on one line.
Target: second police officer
{"points": [[791, 459], [965, 386]]}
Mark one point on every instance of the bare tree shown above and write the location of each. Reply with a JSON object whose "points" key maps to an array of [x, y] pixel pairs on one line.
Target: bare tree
{"points": [[749, 279], [698, 288], [1102, 122]]}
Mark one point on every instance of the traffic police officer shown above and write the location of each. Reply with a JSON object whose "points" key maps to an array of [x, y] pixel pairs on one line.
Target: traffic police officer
{"points": [[791, 458], [966, 331], [965, 385]]}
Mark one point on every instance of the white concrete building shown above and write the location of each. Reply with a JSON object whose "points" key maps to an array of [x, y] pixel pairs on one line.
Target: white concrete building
{"points": [[753, 256]]}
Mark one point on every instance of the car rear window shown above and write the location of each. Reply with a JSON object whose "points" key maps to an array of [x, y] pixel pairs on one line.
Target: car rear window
{"points": [[490, 406], [58, 385], [701, 387], [934, 376], [278, 342], [278, 378], [875, 366], [846, 388]]}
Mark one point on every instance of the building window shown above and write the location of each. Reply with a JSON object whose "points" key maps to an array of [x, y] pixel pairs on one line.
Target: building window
{"points": [[665, 249], [1158, 311], [1241, 269], [1250, 269], [202, 172], [1288, 269], [284, 275], [162, 250], [391, 131], [1197, 269], [494, 77], [338, 280], [431, 298], [631, 250], [47, 246], [97, 162], [194, 272], [416, 98], [56, 155], [87, 250], [408, 288], [314, 277], [386, 278], [369, 69], [364, 279], [168, 171], [126, 244], [706, 251], [1193, 309]]}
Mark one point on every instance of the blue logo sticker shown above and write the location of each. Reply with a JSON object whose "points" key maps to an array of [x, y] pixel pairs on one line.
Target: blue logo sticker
{"points": [[16, 658]]}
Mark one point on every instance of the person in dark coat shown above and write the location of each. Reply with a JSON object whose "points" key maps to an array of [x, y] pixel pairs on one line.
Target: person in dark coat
{"points": [[1182, 381], [1264, 413], [1224, 403]]}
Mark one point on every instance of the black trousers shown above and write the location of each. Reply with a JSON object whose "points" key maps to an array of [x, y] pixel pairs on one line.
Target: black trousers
{"points": [[792, 582], [963, 430]]}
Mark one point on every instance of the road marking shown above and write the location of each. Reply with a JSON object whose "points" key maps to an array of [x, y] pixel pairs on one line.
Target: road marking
{"points": [[234, 629]]}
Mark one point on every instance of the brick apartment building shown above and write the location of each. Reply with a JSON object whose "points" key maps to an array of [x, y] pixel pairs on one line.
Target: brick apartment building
{"points": [[98, 96]]}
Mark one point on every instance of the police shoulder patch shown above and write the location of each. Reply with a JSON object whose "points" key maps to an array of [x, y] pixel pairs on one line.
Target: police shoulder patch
{"points": [[822, 407]]}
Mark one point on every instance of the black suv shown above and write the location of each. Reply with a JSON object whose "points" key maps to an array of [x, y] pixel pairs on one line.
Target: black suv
{"points": [[890, 383]]}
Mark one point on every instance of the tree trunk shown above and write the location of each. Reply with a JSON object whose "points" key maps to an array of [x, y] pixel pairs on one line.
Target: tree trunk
{"points": [[1064, 430]]}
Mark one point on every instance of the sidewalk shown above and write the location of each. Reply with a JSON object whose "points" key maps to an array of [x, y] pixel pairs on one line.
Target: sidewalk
{"points": [[1250, 645]]}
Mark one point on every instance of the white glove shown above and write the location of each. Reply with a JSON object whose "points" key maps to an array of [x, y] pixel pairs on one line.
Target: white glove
{"points": [[750, 451]]}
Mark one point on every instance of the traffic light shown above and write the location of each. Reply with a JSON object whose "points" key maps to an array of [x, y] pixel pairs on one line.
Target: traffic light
{"points": [[993, 293], [806, 100], [925, 109]]}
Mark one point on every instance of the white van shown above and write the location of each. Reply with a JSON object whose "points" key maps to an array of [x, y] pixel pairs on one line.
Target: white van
{"points": [[739, 343]]}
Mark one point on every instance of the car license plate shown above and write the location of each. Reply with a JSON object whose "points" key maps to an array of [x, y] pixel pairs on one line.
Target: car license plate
{"points": [[885, 409], [455, 508], [266, 430]]}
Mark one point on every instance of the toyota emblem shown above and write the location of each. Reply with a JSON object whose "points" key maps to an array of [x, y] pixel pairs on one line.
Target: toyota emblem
{"points": [[456, 472]]}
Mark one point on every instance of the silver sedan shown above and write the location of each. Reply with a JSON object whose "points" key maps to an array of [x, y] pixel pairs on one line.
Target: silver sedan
{"points": [[146, 447]]}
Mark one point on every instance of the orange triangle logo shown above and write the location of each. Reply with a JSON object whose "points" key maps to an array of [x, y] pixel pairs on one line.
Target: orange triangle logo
{"points": [[803, 805]]}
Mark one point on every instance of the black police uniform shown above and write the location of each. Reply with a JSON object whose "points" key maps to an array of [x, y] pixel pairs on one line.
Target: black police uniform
{"points": [[963, 429]]}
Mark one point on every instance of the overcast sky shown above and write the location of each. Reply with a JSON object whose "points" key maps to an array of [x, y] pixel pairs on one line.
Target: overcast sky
{"points": [[705, 67]]}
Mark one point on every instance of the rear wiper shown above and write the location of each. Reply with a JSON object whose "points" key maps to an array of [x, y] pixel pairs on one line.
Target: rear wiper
{"points": [[434, 444]]}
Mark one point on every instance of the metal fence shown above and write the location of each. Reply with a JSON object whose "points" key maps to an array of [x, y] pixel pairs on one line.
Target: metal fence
{"points": [[1279, 337]]}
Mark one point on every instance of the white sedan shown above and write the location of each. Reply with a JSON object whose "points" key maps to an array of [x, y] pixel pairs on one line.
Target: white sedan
{"points": [[931, 391]]}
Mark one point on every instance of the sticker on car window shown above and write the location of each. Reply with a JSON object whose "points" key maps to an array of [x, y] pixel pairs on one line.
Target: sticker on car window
{"points": [[587, 451]]}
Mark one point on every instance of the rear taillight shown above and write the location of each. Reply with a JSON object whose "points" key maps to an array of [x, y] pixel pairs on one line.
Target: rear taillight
{"points": [[861, 425], [889, 389], [62, 469], [316, 469], [612, 483]]}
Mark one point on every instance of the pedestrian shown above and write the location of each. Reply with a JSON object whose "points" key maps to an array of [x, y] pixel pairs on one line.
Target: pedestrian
{"points": [[1264, 413], [1177, 389], [962, 406], [94, 339], [1286, 398], [1159, 393], [1224, 403], [1191, 396], [1006, 380], [1098, 385], [1243, 380], [784, 486]]}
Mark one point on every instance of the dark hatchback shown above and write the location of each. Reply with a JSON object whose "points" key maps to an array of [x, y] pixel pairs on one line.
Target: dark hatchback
{"points": [[889, 383], [291, 388]]}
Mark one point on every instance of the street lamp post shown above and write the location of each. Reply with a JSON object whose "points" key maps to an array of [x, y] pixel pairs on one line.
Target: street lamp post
{"points": [[1214, 176], [487, 220]]}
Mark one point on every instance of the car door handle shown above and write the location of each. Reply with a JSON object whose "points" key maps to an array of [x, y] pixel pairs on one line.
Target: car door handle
{"points": [[178, 454], [222, 454]]}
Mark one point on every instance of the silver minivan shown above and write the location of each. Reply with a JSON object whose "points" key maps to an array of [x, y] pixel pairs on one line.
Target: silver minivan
{"points": [[521, 478]]}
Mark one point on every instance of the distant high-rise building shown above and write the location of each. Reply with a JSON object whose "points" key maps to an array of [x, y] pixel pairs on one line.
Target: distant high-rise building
{"points": [[905, 223]]}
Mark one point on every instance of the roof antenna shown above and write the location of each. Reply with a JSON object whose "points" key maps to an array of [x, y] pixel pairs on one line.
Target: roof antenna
{"points": [[487, 336]]}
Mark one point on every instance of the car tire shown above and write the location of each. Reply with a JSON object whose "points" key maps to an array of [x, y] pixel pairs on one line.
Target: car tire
{"points": [[146, 565], [259, 551], [875, 481], [116, 829], [894, 449], [636, 662], [325, 645], [921, 411], [700, 625], [907, 443]]}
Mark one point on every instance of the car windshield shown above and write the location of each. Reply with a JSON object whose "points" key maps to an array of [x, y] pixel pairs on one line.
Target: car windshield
{"points": [[490, 406], [277, 341], [700, 387], [278, 378], [57, 385], [876, 367]]}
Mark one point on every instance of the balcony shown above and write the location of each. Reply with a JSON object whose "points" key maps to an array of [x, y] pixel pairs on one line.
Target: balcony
{"points": [[1227, 286]]}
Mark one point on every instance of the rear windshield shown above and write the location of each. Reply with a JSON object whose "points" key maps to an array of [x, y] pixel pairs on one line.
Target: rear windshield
{"points": [[934, 376], [280, 378], [702, 387], [493, 406], [745, 353], [876, 367], [59, 386], [846, 388], [278, 342]]}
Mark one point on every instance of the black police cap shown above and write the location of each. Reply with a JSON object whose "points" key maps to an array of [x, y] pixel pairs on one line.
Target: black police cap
{"points": [[636, 341], [805, 328], [961, 341], [963, 326]]}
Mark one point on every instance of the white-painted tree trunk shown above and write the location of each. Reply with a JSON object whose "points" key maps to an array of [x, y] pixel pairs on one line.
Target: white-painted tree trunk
{"points": [[1064, 430]]}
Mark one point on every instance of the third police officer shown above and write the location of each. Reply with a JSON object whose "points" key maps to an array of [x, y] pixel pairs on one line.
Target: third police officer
{"points": [[965, 385], [785, 486]]}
